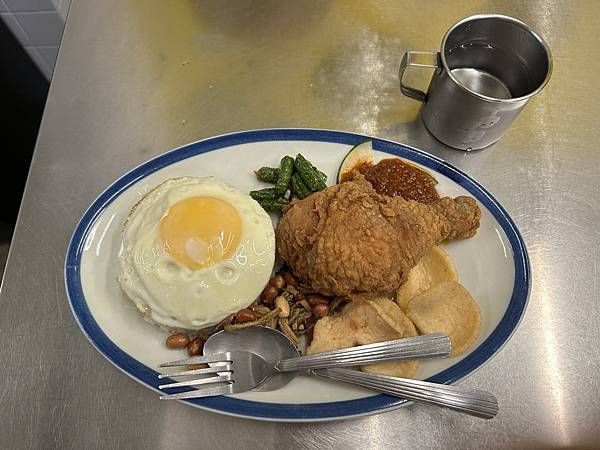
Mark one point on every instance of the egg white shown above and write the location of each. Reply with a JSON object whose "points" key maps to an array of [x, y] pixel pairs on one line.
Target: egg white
{"points": [[166, 291]]}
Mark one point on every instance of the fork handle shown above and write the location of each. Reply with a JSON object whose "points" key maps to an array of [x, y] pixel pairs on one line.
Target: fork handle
{"points": [[433, 345], [473, 402]]}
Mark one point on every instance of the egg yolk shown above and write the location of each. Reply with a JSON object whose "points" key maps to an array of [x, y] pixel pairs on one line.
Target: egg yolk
{"points": [[201, 231]]}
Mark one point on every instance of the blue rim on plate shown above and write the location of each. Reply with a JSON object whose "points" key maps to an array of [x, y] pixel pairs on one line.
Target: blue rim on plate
{"points": [[287, 411]]}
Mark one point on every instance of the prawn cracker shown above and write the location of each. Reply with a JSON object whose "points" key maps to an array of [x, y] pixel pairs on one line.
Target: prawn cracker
{"points": [[367, 322], [447, 308], [395, 317], [435, 267]]}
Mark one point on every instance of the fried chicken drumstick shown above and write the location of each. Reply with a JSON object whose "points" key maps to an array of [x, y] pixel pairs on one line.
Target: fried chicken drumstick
{"points": [[348, 239]]}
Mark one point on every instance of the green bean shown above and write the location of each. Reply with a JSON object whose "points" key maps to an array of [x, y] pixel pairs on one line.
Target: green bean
{"points": [[266, 204], [322, 175], [285, 173], [308, 174], [264, 194], [268, 174], [298, 187], [278, 204], [273, 205]]}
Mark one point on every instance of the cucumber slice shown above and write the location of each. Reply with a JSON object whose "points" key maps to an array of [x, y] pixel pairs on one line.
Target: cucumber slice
{"points": [[359, 154], [363, 153]]}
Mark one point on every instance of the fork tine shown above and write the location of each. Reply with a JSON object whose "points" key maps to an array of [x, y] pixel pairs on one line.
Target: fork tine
{"points": [[199, 381], [216, 358], [213, 369], [204, 392]]}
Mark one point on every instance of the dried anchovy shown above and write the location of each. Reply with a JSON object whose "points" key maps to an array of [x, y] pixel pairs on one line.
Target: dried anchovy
{"points": [[309, 336], [225, 322], [299, 315], [307, 324], [305, 305], [260, 310], [239, 326], [299, 297], [273, 313], [285, 328], [306, 315], [272, 323], [261, 321], [291, 289], [295, 314], [336, 303]]}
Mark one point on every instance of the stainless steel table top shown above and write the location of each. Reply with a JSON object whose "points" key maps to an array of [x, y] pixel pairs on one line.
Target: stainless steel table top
{"points": [[136, 78]]}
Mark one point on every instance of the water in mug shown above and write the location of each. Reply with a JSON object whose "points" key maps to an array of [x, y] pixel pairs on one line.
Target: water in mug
{"points": [[489, 70]]}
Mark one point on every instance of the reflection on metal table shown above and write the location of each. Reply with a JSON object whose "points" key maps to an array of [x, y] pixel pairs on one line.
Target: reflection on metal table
{"points": [[135, 78]]}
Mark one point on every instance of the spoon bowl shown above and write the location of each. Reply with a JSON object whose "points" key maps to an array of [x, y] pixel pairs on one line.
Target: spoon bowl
{"points": [[269, 344]]}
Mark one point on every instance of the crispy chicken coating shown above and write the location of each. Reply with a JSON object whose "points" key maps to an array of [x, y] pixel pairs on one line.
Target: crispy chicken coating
{"points": [[349, 239]]}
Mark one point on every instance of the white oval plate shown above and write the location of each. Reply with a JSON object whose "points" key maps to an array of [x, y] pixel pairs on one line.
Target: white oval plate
{"points": [[493, 266]]}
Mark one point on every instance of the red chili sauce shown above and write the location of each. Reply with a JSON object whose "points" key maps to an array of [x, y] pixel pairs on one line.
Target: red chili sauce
{"points": [[394, 177]]}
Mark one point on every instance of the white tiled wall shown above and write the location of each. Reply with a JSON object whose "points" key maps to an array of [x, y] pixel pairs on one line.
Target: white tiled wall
{"points": [[38, 25]]}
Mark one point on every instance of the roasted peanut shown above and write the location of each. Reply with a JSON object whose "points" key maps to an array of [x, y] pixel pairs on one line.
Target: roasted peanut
{"points": [[268, 294], [179, 340], [277, 281], [195, 346], [245, 315], [315, 299], [284, 307], [320, 310], [289, 278]]}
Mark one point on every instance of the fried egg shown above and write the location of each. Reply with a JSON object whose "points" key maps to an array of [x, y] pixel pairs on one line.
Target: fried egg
{"points": [[194, 251]]}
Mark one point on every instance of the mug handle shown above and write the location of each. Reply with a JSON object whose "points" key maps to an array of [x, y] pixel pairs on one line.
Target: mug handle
{"points": [[417, 59]]}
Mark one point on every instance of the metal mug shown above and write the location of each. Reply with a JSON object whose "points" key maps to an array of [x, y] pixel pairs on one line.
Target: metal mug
{"points": [[488, 68]]}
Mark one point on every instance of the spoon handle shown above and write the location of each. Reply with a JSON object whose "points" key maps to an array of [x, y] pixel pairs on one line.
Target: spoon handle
{"points": [[433, 345], [473, 402]]}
